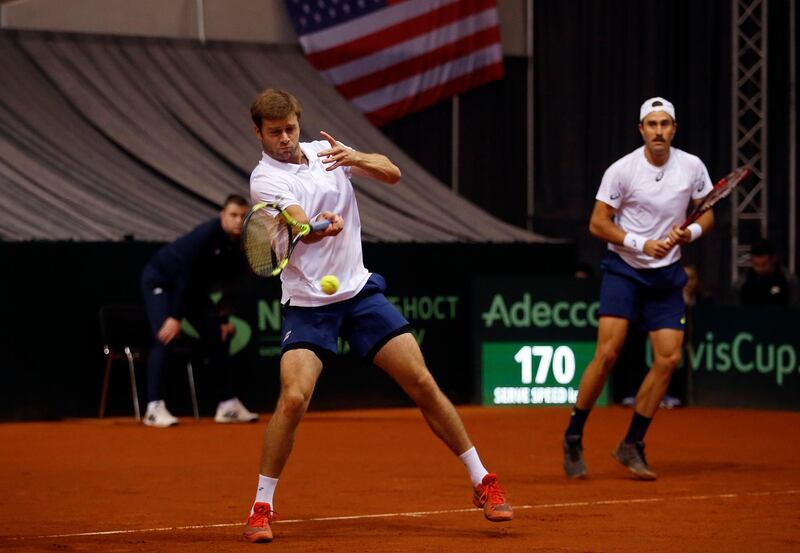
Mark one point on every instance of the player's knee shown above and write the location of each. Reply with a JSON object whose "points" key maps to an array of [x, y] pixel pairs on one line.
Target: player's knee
{"points": [[668, 361], [606, 358], [423, 385], [294, 402]]}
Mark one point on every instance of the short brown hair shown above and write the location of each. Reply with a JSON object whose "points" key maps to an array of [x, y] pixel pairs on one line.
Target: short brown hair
{"points": [[274, 104], [236, 199]]}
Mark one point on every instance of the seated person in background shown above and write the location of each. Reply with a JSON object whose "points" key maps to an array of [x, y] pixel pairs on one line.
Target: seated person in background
{"points": [[766, 283], [694, 293], [176, 284]]}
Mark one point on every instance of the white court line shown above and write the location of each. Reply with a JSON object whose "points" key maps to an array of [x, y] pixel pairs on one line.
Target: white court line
{"points": [[415, 514]]}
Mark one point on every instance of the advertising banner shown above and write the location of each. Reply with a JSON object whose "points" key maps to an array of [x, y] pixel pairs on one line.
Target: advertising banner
{"points": [[533, 339], [742, 357]]}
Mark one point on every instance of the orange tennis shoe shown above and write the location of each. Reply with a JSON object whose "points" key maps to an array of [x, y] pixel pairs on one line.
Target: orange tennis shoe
{"points": [[490, 497], [257, 529]]}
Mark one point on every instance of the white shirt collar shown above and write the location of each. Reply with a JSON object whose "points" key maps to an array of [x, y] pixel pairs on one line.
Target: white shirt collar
{"points": [[658, 168], [293, 168]]}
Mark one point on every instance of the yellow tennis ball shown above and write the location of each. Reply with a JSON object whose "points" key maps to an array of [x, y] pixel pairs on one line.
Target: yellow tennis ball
{"points": [[329, 284]]}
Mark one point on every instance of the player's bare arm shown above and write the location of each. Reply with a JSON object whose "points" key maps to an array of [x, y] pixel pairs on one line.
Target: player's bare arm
{"points": [[684, 236], [336, 226], [602, 226], [374, 166]]}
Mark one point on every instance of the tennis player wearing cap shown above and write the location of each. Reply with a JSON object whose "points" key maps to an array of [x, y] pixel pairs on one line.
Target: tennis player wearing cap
{"points": [[642, 200], [310, 179]]}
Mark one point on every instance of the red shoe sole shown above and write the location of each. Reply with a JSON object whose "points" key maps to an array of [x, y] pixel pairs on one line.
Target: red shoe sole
{"points": [[500, 517], [258, 537]]}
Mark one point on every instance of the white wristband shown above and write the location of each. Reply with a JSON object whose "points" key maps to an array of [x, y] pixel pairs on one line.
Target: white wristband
{"points": [[634, 241], [696, 230]]}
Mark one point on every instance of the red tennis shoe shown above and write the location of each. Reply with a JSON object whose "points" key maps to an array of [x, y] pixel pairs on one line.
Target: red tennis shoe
{"points": [[489, 496], [257, 529]]}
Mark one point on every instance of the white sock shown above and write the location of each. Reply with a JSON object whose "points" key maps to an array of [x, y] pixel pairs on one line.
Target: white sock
{"points": [[265, 492], [474, 466], [153, 404]]}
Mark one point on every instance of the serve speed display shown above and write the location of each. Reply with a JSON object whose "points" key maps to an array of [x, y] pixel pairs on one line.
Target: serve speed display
{"points": [[534, 373], [534, 339]]}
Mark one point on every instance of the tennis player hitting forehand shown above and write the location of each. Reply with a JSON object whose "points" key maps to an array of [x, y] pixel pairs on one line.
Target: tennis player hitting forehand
{"points": [[311, 180], [642, 200]]}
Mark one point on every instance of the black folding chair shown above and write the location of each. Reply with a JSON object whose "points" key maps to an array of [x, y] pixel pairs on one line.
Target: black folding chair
{"points": [[126, 335]]}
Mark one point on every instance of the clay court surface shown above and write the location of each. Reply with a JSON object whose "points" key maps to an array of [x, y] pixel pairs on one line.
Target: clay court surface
{"points": [[377, 480]]}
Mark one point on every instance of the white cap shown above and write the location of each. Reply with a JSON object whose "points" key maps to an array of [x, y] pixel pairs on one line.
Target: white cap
{"points": [[656, 104]]}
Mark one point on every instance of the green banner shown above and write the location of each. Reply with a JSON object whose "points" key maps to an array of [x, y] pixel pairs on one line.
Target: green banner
{"points": [[740, 357], [534, 338]]}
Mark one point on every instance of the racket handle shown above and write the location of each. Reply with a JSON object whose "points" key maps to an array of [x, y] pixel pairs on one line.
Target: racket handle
{"points": [[692, 218], [319, 225]]}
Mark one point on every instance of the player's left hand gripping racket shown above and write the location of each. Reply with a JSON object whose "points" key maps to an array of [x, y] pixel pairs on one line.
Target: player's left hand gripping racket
{"points": [[269, 240]]}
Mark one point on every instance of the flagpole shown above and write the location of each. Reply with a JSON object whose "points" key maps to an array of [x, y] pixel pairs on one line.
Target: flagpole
{"points": [[792, 141], [201, 21], [529, 52], [454, 142]]}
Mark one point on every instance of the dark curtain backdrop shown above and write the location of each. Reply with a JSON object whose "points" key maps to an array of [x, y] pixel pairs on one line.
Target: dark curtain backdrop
{"points": [[595, 62]]}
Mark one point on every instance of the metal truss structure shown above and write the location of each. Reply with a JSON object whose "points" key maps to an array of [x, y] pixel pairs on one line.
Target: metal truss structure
{"points": [[749, 126]]}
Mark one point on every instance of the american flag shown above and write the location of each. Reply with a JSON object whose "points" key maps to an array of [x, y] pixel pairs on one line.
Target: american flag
{"points": [[393, 57]]}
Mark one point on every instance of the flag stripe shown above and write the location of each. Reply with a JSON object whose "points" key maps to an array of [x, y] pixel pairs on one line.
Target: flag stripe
{"points": [[417, 84], [420, 64], [412, 48], [429, 97], [400, 32], [390, 57], [344, 32]]}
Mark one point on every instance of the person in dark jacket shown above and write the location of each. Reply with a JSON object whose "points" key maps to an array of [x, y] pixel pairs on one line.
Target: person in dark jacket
{"points": [[177, 283], [766, 283]]}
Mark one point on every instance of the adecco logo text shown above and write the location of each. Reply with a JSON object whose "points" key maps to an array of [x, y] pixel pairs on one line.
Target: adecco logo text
{"points": [[541, 314]]}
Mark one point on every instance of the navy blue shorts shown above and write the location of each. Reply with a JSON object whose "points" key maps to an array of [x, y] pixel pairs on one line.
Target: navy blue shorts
{"points": [[367, 321], [651, 298]]}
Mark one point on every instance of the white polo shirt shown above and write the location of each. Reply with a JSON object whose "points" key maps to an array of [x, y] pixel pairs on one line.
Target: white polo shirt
{"points": [[315, 189], [650, 199]]}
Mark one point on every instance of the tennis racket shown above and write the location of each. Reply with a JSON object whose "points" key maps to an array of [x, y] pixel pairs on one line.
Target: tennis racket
{"points": [[724, 187], [269, 240]]}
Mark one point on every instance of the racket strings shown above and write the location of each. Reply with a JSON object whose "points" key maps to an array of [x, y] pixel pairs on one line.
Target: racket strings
{"points": [[266, 242], [727, 185], [722, 189]]}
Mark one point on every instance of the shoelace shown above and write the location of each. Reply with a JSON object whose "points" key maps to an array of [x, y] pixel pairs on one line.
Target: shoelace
{"points": [[262, 515], [493, 494]]}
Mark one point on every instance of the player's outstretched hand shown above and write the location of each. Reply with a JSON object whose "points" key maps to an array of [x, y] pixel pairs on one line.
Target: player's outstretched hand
{"points": [[657, 248], [337, 155]]}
